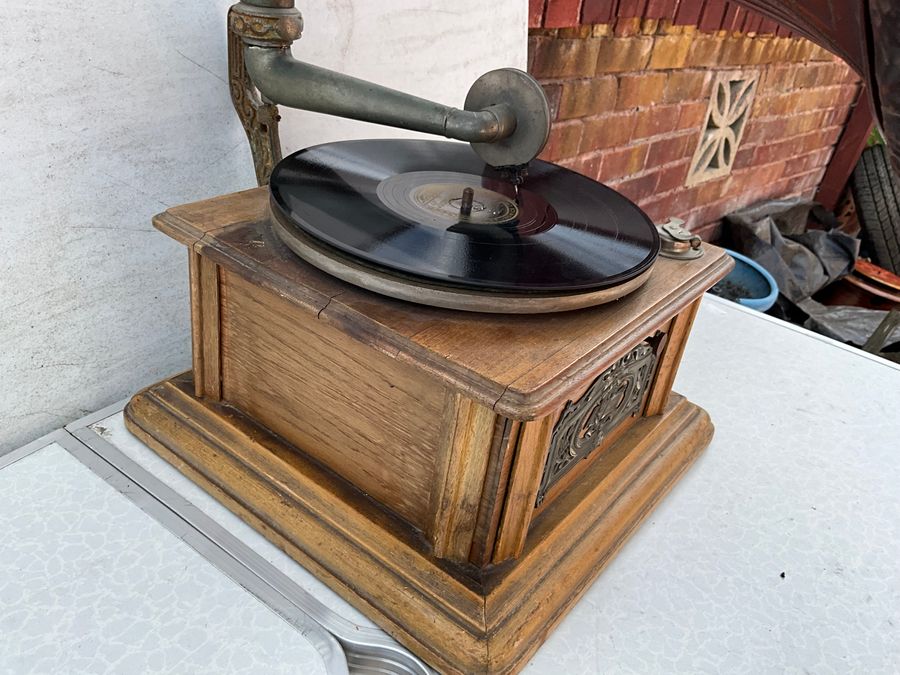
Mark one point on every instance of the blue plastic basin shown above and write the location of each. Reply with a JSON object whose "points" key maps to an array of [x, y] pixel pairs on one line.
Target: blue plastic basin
{"points": [[748, 284]]}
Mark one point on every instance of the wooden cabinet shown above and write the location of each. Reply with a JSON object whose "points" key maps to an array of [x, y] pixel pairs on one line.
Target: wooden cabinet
{"points": [[460, 478]]}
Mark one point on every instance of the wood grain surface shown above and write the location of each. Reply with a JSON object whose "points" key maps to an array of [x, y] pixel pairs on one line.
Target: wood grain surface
{"points": [[376, 421], [521, 366], [396, 450], [458, 620]]}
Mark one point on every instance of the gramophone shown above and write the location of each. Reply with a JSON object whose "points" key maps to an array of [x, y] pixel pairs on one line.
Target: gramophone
{"points": [[436, 374]]}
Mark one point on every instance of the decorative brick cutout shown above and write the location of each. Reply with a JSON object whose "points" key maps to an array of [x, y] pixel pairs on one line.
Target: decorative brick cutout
{"points": [[726, 118]]}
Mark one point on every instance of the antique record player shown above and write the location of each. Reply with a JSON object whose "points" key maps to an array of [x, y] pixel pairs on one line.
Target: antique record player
{"points": [[436, 374]]}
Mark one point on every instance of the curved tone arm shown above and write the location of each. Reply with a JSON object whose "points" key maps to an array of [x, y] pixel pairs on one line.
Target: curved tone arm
{"points": [[282, 79]]}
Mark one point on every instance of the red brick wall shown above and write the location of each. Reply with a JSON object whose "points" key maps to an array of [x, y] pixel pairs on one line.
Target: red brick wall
{"points": [[630, 96], [707, 15]]}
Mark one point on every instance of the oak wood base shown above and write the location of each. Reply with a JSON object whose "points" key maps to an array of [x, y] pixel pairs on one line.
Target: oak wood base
{"points": [[457, 617]]}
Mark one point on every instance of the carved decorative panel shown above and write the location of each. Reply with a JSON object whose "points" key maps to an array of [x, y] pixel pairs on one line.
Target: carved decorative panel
{"points": [[729, 109], [612, 398]]}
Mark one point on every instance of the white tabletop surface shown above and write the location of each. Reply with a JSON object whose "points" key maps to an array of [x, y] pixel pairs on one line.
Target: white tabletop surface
{"points": [[778, 552], [90, 584]]}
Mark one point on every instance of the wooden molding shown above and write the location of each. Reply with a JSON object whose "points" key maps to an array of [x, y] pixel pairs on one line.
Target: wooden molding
{"points": [[205, 328], [460, 478], [531, 456], [456, 619], [676, 341]]}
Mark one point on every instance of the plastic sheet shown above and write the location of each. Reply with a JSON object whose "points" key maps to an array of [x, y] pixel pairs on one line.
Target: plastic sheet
{"points": [[803, 262], [852, 325]]}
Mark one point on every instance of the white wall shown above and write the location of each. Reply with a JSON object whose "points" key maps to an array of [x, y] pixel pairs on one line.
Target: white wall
{"points": [[111, 112]]}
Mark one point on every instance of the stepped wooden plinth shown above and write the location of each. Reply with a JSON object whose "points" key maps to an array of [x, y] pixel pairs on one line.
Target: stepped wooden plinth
{"points": [[460, 478]]}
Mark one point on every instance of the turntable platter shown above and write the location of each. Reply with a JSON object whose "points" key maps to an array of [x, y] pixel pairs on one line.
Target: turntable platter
{"points": [[432, 212]]}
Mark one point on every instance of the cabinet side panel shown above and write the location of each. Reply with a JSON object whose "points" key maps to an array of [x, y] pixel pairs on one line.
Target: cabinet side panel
{"points": [[375, 421], [679, 331]]}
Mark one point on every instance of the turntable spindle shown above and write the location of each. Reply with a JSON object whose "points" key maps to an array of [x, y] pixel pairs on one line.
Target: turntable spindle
{"points": [[465, 206]]}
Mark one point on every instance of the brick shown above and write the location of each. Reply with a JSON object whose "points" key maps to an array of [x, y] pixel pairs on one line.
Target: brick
{"points": [[640, 188], [803, 123], [761, 51], [561, 13], [561, 58], [553, 92], [682, 201], [752, 23], [710, 191], [581, 98], [850, 75], [598, 11], [670, 150], [830, 136], [769, 106], [837, 115], [649, 26], [617, 55], [806, 163], [779, 50], [587, 165], [631, 8], [670, 52], [622, 162], [666, 27], [627, 27], [672, 177], [656, 208], [767, 26], [705, 51], [688, 12], [708, 230], [806, 50], [564, 141], [535, 13], [686, 85], [692, 115], [602, 30], [535, 44], [765, 175], [805, 100], [740, 180], [717, 210], [733, 19], [849, 94], [655, 121], [778, 79], [817, 73], [608, 131], [736, 51], [764, 130], [739, 20], [784, 150], [661, 9], [637, 91], [712, 15], [576, 32], [743, 158]]}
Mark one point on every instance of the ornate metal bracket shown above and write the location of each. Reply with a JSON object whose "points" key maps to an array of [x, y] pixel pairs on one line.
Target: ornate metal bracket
{"points": [[264, 26], [614, 396]]}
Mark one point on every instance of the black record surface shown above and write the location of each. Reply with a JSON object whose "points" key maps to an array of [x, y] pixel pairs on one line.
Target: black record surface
{"points": [[561, 232]]}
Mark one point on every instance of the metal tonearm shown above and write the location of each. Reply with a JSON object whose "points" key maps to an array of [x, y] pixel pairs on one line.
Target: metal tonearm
{"points": [[506, 117]]}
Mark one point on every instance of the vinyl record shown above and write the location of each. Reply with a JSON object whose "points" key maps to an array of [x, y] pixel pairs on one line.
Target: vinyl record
{"points": [[401, 206]]}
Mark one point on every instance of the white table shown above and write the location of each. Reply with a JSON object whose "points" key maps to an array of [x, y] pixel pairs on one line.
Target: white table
{"points": [[778, 552]]}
